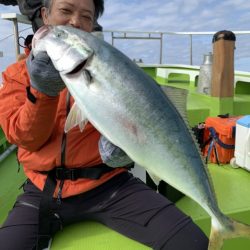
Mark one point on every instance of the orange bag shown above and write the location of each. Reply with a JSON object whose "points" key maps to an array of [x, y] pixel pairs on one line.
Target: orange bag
{"points": [[219, 136]]}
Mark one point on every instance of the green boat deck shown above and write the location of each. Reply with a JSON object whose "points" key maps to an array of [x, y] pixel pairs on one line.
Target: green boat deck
{"points": [[232, 191], [232, 186]]}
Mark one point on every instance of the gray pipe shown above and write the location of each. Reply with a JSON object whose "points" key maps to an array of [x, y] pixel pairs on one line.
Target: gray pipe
{"points": [[7, 152]]}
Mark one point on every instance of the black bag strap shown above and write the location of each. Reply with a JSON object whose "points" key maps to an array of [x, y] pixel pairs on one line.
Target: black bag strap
{"points": [[73, 174], [217, 139], [45, 212], [212, 146], [213, 140]]}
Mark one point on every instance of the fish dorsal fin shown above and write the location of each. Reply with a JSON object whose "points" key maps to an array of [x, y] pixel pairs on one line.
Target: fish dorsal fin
{"points": [[179, 99], [75, 117], [155, 178]]}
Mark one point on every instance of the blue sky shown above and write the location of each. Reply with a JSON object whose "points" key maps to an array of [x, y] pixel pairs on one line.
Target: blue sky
{"points": [[160, 15]]}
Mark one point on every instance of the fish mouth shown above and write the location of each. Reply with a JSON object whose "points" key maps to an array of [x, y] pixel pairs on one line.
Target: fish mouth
{"points": [[80, 66], [77, 68]]}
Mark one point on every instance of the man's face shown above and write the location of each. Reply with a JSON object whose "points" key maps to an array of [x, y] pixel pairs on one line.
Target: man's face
{"points": [[76, 13]]}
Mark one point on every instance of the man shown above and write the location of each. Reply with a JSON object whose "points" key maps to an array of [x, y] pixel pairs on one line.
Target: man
{"points": [[67, 178]]}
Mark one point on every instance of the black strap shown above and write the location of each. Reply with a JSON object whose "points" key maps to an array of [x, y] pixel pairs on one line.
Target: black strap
{"points": [[30, 96], [213, 140], [73, 174], [63, 149], [217, 139], [212, 146], [64, 139], [45, 214]]}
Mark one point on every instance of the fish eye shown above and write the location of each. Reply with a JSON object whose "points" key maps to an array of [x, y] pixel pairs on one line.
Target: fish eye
{"points": [[61, 34]]}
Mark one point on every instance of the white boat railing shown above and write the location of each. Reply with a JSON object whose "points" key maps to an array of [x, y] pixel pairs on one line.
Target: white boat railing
{"points": [[15, 18], [157, 35], [115, 35]]}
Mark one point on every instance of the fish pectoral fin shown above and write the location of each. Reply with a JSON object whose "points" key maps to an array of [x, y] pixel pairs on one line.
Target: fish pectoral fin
{"points": [[155, 178], [75, 117]]}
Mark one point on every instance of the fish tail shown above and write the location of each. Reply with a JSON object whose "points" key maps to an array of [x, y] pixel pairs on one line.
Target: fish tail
{"points": [[215, 240], [229, 229]]}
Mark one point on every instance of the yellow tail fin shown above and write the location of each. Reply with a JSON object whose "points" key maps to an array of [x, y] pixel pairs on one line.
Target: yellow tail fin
{"points": [[229, 229]]}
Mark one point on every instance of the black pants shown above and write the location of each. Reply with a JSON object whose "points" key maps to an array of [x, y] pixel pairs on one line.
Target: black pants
{"points": [[124, 204]]}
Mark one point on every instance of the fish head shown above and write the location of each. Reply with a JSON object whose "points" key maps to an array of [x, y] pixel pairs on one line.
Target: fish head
{"points": [[66, 50]]}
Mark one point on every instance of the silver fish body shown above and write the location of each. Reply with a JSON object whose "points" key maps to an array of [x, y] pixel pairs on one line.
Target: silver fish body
{"points": [[133, 112]]}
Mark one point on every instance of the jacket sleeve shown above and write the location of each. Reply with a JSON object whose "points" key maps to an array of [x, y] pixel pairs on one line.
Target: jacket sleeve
{"points": [[26, 123]]}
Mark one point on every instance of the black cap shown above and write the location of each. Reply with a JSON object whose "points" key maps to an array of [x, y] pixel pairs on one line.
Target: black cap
{"points": [[97, 27], [225, 35], [28, 40]]}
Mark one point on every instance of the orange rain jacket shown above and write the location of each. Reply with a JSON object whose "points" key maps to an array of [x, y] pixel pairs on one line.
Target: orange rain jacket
{"points": [[37, 129], [23, 55]]}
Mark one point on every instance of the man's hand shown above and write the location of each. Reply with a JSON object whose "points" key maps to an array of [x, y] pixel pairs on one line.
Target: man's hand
{"points": [[112, 155], [43, 75]]}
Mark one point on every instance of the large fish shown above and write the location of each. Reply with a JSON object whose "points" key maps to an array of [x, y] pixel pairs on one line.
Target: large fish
{"points": [[132, 111]]}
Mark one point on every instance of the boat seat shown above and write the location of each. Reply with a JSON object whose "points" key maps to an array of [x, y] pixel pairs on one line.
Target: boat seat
{"points": [[164, 73], [91, 235], [241, 79], [193, 72]]}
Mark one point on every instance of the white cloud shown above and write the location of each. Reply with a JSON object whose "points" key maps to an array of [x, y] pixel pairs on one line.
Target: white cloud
{"points": [[170, 15]]}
